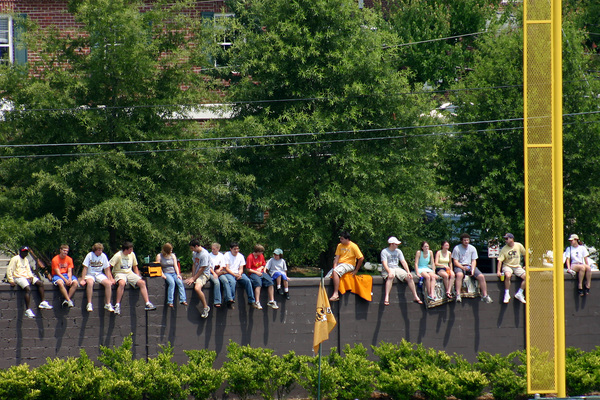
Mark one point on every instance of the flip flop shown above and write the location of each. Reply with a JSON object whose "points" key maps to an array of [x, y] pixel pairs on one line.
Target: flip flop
{"points": [[386, 303], [418, 301], [336, 298]]}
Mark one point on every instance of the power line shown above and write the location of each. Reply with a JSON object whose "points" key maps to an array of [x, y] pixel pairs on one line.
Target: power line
{"points": [[433, 40], [287, 135]]}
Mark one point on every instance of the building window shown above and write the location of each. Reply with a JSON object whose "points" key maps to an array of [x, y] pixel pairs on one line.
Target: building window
{"points": [[6, 40], [223, 34]]}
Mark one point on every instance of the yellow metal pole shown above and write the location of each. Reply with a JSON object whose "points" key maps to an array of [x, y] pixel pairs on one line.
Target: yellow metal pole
{"points": [[558, 195]]}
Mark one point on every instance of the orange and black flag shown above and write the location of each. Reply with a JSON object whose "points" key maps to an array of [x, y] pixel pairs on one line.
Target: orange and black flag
{"points": [[324, 321]]}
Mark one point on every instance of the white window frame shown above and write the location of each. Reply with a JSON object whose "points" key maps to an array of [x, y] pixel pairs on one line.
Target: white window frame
{"points": [[9, 44], [222, 41]]}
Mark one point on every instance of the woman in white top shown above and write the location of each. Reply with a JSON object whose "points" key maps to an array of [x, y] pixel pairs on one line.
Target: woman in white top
{"points": [[577, 260]]}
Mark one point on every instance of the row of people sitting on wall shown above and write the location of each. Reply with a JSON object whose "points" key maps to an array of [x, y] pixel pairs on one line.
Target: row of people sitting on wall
{"points": [[223, 270], [453, 267], [226, 271]]}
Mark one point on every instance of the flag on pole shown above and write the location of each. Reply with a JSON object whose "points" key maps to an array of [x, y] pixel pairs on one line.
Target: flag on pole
{"points": [[324, 321]]}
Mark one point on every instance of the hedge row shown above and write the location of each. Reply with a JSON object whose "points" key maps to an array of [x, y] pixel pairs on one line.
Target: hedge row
{"points": [[402, 371]]}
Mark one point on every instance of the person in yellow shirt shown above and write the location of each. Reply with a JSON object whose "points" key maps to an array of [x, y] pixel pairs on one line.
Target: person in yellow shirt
{"points": [[348, 258], [509, 263], [19, 273]]}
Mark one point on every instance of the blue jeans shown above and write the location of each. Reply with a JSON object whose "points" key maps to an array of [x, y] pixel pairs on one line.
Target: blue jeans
{"points": [[216, 289], [263, 280], [172, 280], [229, 284]]}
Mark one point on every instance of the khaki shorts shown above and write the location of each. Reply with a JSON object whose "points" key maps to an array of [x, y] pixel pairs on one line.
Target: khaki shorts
{"points": [[131, 277], [202, 279], [24, 282], [343, 269], [397, 272], [517, 271]]}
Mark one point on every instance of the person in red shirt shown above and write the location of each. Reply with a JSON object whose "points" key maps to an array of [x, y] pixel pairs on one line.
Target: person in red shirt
{"points": [[62, 275], [255, 269]]}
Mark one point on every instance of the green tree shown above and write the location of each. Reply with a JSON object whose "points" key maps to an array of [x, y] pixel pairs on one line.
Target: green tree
{"points": [[318, 104], [114, 82]]}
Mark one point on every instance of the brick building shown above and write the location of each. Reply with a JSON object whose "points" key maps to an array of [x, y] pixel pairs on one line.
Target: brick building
{"points": [[54, 13]]}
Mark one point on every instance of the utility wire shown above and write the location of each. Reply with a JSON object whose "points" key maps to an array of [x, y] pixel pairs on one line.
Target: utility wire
{"points": [[455, 134], [434, 40]]}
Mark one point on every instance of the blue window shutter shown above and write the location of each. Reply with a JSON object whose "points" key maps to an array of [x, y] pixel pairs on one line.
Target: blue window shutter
{"points": [[20, 50]]}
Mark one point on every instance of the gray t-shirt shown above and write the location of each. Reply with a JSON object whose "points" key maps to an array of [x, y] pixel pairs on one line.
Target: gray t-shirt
{"points": [[464, 256], [167, 264], [274, 265], [393, 258], [201, 259]]}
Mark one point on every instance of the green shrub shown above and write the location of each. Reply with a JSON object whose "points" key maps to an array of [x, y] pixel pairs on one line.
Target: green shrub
{"points": [[17, 383], [506, 377], [436, 383], [71, 378], [398, 383], [357, 373], [202, 379], [583, 371], [127, 375], [163, 379], [330, 377], [470, 383]]}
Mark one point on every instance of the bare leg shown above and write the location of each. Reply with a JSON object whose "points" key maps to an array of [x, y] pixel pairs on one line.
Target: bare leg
{"points": [[507, 276], [388, 287], [257, 294], [63, 290], [107, 291], [120, 291], [27, 297], [413, 289], [40, 287], [271, 291], [482, 284], [336, 286], [458, 282], [72, 289], [143, 290], [89, 289], [200, 293]]}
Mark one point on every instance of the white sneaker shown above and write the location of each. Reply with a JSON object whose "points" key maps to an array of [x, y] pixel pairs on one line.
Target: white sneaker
{"points": [[89, 307], [44, 304], [521, 297], [205, 312], [29, 313], [108, 307], [458, 298], [118, 308], [506, 297], [70, 303], [257, 305], [273, 305], [487, 299], [150, 307]]}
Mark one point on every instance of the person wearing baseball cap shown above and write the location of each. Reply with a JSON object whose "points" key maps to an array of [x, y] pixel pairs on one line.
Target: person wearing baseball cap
{"points": [[19, 273], [577, 261], [391, 259], [277, 268], [509, 263]]}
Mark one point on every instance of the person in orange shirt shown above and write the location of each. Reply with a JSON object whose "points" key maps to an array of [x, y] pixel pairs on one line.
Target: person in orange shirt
{"points": [[348, 258], [62, 275]]}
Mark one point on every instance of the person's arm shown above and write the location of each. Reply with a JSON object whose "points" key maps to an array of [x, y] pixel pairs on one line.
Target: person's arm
{"points": [[157, 260], [499, 269], [405, 265], [176, 266], [385, 266], [431, 264], [417, 256], [9, 272], [336, 261], [457, 263], [358, 265], [250, 261], [436, 261], [82, 282]]}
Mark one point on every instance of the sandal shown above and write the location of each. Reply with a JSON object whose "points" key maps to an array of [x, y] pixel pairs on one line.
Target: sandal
{"points": [[580, 291], [418, 301], [334, 298], [587, 290], [184, 303], [449, 295], [386, 303], [170, 305]]}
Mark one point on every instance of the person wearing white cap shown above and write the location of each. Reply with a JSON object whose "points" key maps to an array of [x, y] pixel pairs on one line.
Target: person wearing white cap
{"points": [[509, 263], [391, 258], [577, 260]]}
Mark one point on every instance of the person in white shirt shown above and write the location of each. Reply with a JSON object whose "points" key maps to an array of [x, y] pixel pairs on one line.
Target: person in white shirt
{"points": [[217, 268], [96, 268], [234, 267], [577, 260]]}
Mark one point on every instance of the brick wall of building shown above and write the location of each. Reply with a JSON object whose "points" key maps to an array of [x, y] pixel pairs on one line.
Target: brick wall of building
{"points": [[465, 328]]}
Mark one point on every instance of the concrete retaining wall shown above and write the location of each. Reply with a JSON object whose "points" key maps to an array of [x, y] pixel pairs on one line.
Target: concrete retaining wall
{"points": [[465, 328]]}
